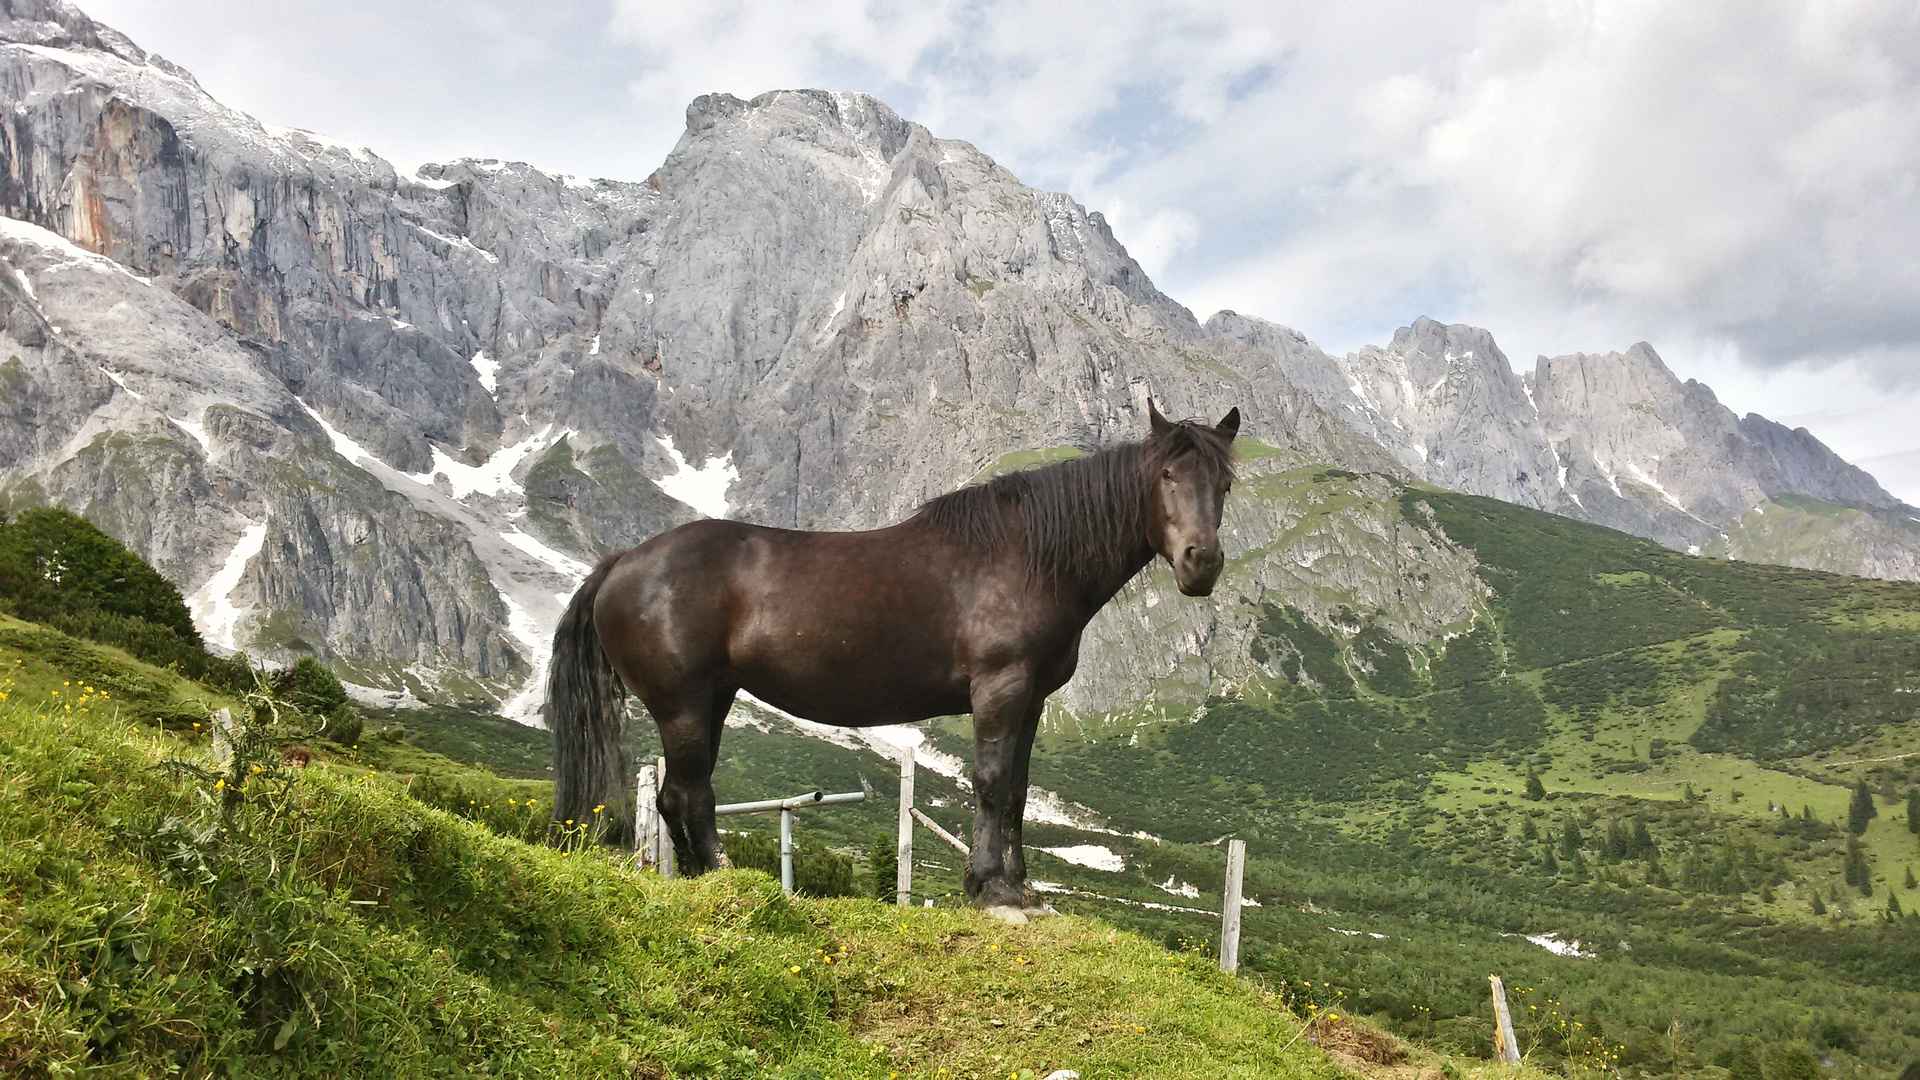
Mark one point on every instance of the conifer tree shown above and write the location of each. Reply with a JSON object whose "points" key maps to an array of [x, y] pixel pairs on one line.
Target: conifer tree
{"points": [[1806, 812], [1619, 841], [1535, 789], [1857, 872], [1527, 830], [1657, 874], [1643, 845], [1819, 905], [1861, 810], [1744, 1065], [1911, 884], [1913, 811], [1553, 864], [1570, 841], [885, 865], [1893, 905]]}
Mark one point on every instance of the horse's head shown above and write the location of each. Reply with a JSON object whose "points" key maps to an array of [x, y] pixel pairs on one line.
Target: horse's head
{"points": [[1190, 469]]}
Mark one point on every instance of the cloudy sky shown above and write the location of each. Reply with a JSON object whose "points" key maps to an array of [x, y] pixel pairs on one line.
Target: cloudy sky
{"points": [[1736, 182]]}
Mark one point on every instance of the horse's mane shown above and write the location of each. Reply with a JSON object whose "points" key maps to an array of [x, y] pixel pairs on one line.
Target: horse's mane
{"points": [[1079, 519]]}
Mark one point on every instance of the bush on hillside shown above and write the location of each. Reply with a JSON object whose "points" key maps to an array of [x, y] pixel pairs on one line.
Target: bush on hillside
{"points": [[885, 864], [53, 561], [57, 568], [816, 870], [1860, 810], [345, 726], [310, 687]]}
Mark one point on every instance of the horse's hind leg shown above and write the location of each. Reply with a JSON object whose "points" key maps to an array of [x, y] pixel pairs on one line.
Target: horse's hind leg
{"points": [[690, 736]]}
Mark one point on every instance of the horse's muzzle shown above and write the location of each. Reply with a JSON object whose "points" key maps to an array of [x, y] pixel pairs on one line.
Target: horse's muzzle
{"points": [[1197, 569]]}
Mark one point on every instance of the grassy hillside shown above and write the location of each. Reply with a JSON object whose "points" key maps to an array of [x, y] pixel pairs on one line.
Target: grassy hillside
{"points": [[321, 922], [1696, 727], [1644, 760]]}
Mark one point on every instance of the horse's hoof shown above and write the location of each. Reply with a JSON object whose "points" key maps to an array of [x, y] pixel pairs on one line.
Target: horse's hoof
{"points": [[1009, 914]]}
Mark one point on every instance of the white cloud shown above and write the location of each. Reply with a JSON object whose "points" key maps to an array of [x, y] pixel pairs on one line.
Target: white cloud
{"points": [[1736, 171]]}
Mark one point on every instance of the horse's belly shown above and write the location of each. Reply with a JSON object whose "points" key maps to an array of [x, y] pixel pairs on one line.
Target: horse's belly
{"points": [[850, 705], [836, 675]]}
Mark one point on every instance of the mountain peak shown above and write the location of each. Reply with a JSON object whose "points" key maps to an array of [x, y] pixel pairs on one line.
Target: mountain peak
{"points": [[56, 24], [868, 120]]}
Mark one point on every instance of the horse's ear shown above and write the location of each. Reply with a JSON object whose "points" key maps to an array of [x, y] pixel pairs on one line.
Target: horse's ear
{"points": [[1229, 425], [1159, 424]]}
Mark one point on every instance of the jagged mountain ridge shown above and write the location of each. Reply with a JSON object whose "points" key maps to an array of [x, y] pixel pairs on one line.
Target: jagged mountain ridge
{"points": [[404, 413], [853, 313], [1615, 439]]}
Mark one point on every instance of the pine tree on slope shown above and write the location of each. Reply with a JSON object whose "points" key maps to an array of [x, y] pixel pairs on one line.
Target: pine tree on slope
{"points": [[1861, 810]]}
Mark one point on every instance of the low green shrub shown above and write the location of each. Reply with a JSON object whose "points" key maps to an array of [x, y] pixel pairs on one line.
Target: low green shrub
{"points": [[817, 871], [346, 725]]}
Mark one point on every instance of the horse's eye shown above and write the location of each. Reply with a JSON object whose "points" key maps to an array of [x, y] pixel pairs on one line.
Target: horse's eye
{"points": [[1166, 474]]}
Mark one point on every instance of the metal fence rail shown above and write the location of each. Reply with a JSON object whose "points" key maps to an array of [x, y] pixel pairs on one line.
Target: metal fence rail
{"points": [[653, 846]]}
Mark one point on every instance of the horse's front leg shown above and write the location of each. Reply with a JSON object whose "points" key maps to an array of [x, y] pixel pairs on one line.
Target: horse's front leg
{"points": [[1017, 805], [1000, 706]]}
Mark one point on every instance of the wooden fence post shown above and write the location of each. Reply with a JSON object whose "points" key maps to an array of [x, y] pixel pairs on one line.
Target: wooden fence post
{"points": [[1504, 1045], [646, 815], [662, 842], [903, 847], [1230, 906]]}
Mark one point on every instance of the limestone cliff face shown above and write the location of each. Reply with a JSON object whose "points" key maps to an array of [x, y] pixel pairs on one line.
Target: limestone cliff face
{"points": [[865, 316], [404, 413], [393, 419]]}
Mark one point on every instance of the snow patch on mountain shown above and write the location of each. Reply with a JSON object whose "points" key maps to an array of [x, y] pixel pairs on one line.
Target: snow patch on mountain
{"points": [[1091, 856], [198, 431], [493, 476], [703, 488], [487, 370], [559, 560], [211, 605]]}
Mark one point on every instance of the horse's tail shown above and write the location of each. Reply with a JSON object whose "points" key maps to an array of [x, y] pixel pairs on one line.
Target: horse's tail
{"points": [[586, 707]]}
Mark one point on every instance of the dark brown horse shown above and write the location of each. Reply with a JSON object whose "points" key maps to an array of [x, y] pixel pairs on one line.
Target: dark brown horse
{"points": [[975, 604]]}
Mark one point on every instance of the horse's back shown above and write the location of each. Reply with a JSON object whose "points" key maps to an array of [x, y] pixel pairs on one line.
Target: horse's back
{"points": [[848, 628]]}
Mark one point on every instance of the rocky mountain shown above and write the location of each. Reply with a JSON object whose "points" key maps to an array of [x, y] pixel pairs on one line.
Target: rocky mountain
{"points": [[1615, 439], [391, 419]]}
